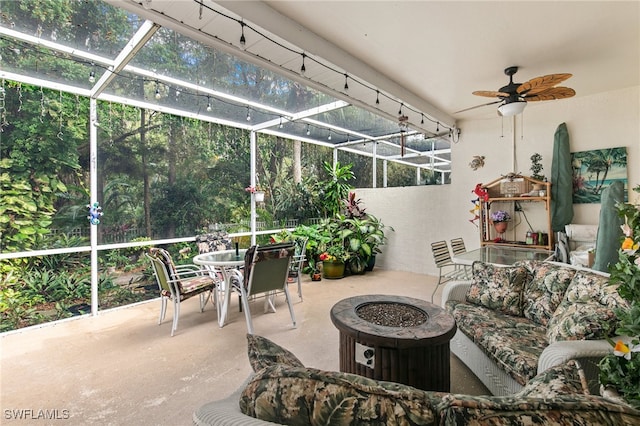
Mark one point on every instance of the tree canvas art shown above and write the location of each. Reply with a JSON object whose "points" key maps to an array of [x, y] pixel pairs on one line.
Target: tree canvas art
{"points": [[595, 170]]}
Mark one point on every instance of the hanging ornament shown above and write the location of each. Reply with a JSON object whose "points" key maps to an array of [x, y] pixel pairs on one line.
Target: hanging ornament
{"points": [[95, 212], [404, 126]]}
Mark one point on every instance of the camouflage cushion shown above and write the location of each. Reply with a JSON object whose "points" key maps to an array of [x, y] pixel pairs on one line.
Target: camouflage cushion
{"points": [[544, 292], [306, 396], [564, 379], [563, 410], [264, 353], [515, 343], [587, 309], [498, 288]]}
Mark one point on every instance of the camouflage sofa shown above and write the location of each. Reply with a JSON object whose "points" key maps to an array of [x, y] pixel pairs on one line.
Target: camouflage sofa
{"points": [[514, 322], [283, 391]]}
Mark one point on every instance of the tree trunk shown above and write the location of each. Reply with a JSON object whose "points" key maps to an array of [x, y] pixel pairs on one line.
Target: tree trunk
{"points": [[297, 161]]}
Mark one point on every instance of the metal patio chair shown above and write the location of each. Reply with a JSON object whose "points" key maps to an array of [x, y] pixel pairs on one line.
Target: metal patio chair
{"points": [[458, 247], [297, 264], [448, 270], [179, 283], [266, 270]]}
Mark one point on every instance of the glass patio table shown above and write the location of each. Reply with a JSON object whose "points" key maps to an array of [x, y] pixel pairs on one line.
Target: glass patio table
{"points": [[501, 255], [224, 262]]}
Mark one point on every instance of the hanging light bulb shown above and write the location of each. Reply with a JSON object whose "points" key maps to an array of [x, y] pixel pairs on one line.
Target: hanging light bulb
{"points": [[329, 138], [248, 114], [208, 104], [158, 96], [308, 130], [303, 69], [437, 126], [243, 40], [177, 93], [377, 97], [422, 119], [400, 110], [92, 76], [281, 125], [346, 84]]}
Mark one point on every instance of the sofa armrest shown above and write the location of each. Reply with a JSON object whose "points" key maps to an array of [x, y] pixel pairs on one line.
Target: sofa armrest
{"points": [[455, 290], [587, 352]]}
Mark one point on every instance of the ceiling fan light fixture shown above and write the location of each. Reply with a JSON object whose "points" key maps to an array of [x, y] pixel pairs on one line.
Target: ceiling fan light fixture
{"points": [[512, 108]]}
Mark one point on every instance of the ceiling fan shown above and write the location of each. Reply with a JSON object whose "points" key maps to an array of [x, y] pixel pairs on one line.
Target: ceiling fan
{"points": [[514, 96]]}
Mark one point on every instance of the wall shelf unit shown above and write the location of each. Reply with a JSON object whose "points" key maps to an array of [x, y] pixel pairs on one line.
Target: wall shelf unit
{"points": [[528, 201]]}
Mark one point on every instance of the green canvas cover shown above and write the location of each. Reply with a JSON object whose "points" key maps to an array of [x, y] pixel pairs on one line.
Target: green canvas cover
{"points": [[561, 181], [609, 232]]}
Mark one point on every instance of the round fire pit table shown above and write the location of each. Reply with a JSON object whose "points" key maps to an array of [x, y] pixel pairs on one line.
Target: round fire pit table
{"points": [[413, 349]]}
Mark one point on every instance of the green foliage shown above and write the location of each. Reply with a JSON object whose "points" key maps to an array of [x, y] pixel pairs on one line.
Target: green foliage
{"points": [[618, 369], [336, 188]]}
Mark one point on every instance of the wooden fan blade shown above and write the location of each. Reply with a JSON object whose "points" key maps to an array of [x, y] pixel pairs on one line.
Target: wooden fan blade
{"points": [[490, 94], [551, 94], [538, 84], [477, 106]]}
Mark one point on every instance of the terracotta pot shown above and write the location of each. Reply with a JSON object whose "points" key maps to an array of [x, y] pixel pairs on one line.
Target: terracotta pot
{"points": [[500, 227], [332, 269]]}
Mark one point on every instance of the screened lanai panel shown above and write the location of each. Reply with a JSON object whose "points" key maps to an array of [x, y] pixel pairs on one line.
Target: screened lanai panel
{"points": [[87, 30], [174, 55], [359, 120]]}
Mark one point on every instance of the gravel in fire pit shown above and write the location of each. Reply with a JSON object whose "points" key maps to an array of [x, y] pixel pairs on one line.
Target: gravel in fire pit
{"points": [[391, 314]]}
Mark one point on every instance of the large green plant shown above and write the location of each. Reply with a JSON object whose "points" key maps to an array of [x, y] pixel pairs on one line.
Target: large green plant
{"points": [[336, 188], [621, 368]]}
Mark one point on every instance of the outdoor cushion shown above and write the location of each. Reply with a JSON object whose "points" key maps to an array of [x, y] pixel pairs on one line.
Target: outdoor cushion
{"points": [[515, 343], [563, 379], [307, 396], [587, 310], [544, 292], [498, 288], [263, 353], [563, 410]]}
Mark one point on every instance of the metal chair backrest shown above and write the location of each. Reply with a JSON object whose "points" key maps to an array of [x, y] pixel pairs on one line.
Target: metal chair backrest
{"points": [[300, 255], [162, 271], [267, 267], [457, 246], [441, 254]]}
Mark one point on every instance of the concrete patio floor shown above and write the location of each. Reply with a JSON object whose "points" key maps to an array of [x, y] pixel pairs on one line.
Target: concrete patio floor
{"points": [[121, 368]]}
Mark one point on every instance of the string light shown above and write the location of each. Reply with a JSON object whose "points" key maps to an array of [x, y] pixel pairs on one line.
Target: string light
{"points": [[346, 84], [243, 40], [303, 69], [92, 76], [329, 137], [400, 110], [281, 125], [158, 96], [248, 114], [422, 118], [308, 130], [377, 97], [208, 104]]}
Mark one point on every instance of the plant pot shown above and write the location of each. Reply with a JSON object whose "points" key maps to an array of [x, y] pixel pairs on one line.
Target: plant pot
{"points": [[357, 266], [370, 264], [316, 276], [259, 196], [500, 227], [332, 269]]}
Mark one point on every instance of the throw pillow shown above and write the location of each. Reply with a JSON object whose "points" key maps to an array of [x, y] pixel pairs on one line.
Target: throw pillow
{"points": [[544, 292], [587, 309], [263, 353], [497, 287], [563, 379], [306, 396]]}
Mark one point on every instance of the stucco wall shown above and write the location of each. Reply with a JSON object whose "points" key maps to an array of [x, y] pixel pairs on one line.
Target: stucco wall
{"points": [[424, 214]]}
